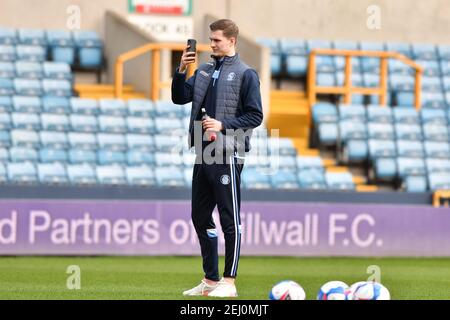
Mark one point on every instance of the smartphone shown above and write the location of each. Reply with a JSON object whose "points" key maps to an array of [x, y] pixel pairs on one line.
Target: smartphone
{"points": [[193, 45]]}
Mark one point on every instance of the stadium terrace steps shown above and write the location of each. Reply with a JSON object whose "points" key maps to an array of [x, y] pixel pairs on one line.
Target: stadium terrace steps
{"points": [[99, 91], [290, 113]]}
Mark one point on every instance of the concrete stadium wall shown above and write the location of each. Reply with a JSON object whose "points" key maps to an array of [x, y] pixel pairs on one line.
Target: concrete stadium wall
{"points": [[401, 20]]}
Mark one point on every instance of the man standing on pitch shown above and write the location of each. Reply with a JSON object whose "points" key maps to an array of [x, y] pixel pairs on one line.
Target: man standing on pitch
{"points": [[229, 91]]}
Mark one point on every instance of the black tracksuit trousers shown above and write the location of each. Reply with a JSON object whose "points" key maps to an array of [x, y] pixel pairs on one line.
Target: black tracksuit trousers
{"points": [[218, 184]]}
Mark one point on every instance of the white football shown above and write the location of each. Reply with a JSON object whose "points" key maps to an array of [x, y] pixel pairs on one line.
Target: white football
{"points": [[369, 290], [287, 290], [333, 290]]}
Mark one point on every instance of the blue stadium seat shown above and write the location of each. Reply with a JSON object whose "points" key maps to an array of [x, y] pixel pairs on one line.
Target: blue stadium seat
{"points": [[34, 37], [328, 133], [52, 173], [53, 140], [5, 121], [113, 107], [424, 51], [57, 70], [140, 141], [112, 141], [90, 49], [31, 53], [58, 88], [444, 52], [275, 54], [434, 100], [111, 175], [82, 140], [23, 154], [431, 84], [357, 79], [167, 109], [406, 115], [29, 70], [284, 179], [4, 155], [415, 183], [446, 84], [352, 112], [435, 132], [84, 106], [312, 179], [140, 125], [437, 149], [28, 121], [81, 174], [7, 53], [6, 87], [275, 64], [430, 68], [112, 124], [52, 155], [439, 181], [138, 157], [403, 48], [27, 87], [339, 180], [5, 138], [169, 126], [165, 159], [59, 105], [77, 156], [108, 157], [433, 116], [26, 104], [351, 130], [54, 122], [355, 150], [24, 138], [401, 82], [22, 172], [296, 66], [324, 112], [253, 178], [8, 36], [410, 148], [380, 131], [140, 176], [7, 70], [438, 165], [371, 80], [397, 67], [381, 148], [408, 131], [5, 104], [380, 114], [83, 123], [385, 168], [370, 65], [141, 108], [410, 166], [325, 79], [290, 47], [62, 46], [170, 177]]}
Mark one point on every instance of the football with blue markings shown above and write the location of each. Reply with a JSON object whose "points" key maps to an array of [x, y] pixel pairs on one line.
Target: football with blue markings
{"points": [[333, 290], [287, 290], [369, 290]]}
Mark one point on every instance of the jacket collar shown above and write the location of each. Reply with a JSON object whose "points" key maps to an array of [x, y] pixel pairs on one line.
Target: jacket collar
{"points": [[227, 60]]}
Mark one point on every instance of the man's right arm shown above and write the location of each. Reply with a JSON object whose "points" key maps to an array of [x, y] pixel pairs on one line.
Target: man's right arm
{"points": [[182, 90]]}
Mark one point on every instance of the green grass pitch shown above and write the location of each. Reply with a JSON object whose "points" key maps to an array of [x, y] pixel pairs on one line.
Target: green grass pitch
{"points": [[167, 277]]}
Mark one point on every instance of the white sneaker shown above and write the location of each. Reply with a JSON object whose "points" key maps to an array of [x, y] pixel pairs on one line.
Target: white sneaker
{"points": [[203, 289], [224, 289]]}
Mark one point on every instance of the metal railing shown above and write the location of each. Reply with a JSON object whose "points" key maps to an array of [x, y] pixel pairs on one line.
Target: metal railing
{"points": [[155, 65], [348, 89]]}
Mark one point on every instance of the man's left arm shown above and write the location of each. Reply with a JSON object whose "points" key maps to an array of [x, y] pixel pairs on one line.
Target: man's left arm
{"points": [[251, 101]]}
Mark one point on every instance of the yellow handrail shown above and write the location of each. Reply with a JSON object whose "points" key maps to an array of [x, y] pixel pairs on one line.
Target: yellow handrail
{"points": [[155, 49], [347, 90], [441, 194]]}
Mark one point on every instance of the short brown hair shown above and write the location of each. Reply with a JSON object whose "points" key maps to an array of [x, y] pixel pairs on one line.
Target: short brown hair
{"points": [[229, 28]]}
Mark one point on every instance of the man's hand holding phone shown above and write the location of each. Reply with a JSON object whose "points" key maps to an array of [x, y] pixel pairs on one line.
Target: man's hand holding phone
{"points": [[189, 55]]}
